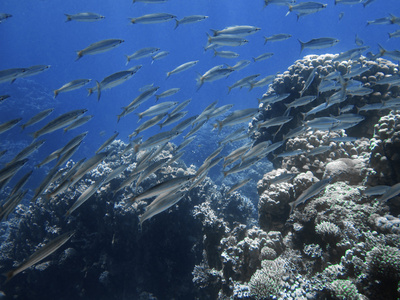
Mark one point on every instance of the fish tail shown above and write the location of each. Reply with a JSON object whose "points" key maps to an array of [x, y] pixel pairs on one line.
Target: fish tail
{"points": [[9, 275], [23, 127], [266, 40], [208, 39], [176, 24], [301, 45], [225, 173], [56, 92], [335, 2], [304, 115], [215, 52], [291, 204], [79, 55], [382, 50], [127, 59], [215, 32], [98, 90], [68, 18], [136, 148], [168, 74], [289, 11]]}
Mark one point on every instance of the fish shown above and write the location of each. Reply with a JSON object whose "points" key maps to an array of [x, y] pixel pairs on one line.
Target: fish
{"points": [[9, 124], [389, 80], [238, 185], [147, 124], [4, 97], [12, 169], [159, 55], [11, 74], [212, 75], [28, 150], [182, 67], [168, 93], [226, 54], [150, 169], [318, 150], [358, 40], [84, 17], [10, 204], [113, 80], [107, 142], [37, 118], [160, 188], [306, 8], [237, 30], [153, 18], [242, 166], [322, 123], [284, 177], [72, 143], [376, 190], [226, 40], [308, 82], [277, 121], [310, 192], [20, 184], [98, 47], [30, 71], [277, 37], [395, 34], [180, 106], [72, 85], [368, 2], [190, 19], [279, 2], [59, 122], [241, 64], [393, 191], [4, 16], [318, 43], [87, 166], [290, 153], [349, 2], [237, 117], [255, 150], [242, 82], [380, 21], [162, 203], [172, 118], [263, 56], [157, 109], [262, 82], [157, 139], [301, 101], [273, 98], [142, 98], [141, 53], [41, 254], [79, 122]]}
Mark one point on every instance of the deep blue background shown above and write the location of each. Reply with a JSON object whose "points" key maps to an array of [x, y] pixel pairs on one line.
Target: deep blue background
{"points": [[38, 34]]}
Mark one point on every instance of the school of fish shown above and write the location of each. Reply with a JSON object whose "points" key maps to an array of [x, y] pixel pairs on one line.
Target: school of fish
{"points": [[166, 113]]}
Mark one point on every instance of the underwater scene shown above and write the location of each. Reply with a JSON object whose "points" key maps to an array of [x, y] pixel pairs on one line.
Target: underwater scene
{"points": [[209, 149]]}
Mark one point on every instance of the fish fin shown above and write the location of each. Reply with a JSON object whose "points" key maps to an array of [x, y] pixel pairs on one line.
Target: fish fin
{"points": [[266, 40], [215, 52], [79, 55], [168, 74], [208, 39], [9, 275], [68, 18], [301, 45], [12, 80], [127, 60], [214, 32], [382, 50], [55, 93], [291, 204], [98, 90]]}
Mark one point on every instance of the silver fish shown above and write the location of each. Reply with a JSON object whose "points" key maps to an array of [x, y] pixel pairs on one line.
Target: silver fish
{"points": [[318, 43], [107, 142], [147, 124], [153, 18], [263, 56], [390, 193], [9, 124], [72, 85], [157, 109], [226, 54], [168, 93], [238, 30], [190, 19], [41, 254], [99, 47], [28, 150], [84, 17], [237, 117], [182, 67], [238, 185], [277, 37], [159, 55], [37, 118], [306, 8], [79, 122], [12, 169], [313, 190], [141, 53], [376, 190], [59, 122]]}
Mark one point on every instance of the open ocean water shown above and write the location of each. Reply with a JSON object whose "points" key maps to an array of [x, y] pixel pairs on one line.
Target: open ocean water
{"points": [[37, 34]]}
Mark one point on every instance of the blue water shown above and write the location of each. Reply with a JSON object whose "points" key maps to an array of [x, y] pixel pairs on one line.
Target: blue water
{"points": [[38, 34]]}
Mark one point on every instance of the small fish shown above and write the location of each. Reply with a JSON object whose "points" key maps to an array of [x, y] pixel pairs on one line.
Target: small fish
{"points": [[368, 2], [262, 82], [157, 109], [290, 153], [318, 150], [59, 122], [87, 166], [149, 123], [107, 142], [4, 97], [263, 56], [238, 30], [41, 254], [213, 75], [313, 190], [243, 82], [341, 14], [318, 43], [11, 74], [308, 82], [322, 123], [79, 122], [395, 34], [159, 55], [28, 150], [240, 65], [238, 185], [358, 41], [237, 117], [141, 53], [168, 93], [99, 47], [9, 124], [226, 54], [160, 188], [30, 71], [72, 85], [277, 121], [190, 19], [273, 98], [84, 17], [12, 169], [393, 191], [277, 37], [349, 2], [4, 16], [153, 18], [301, 101], [181, 106], [306, 8], [279, 2], [227, 40], [89, 192], [242, 166], [284, 177], [72, 143], [182, 67], [380, 21], [376, 190]]}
